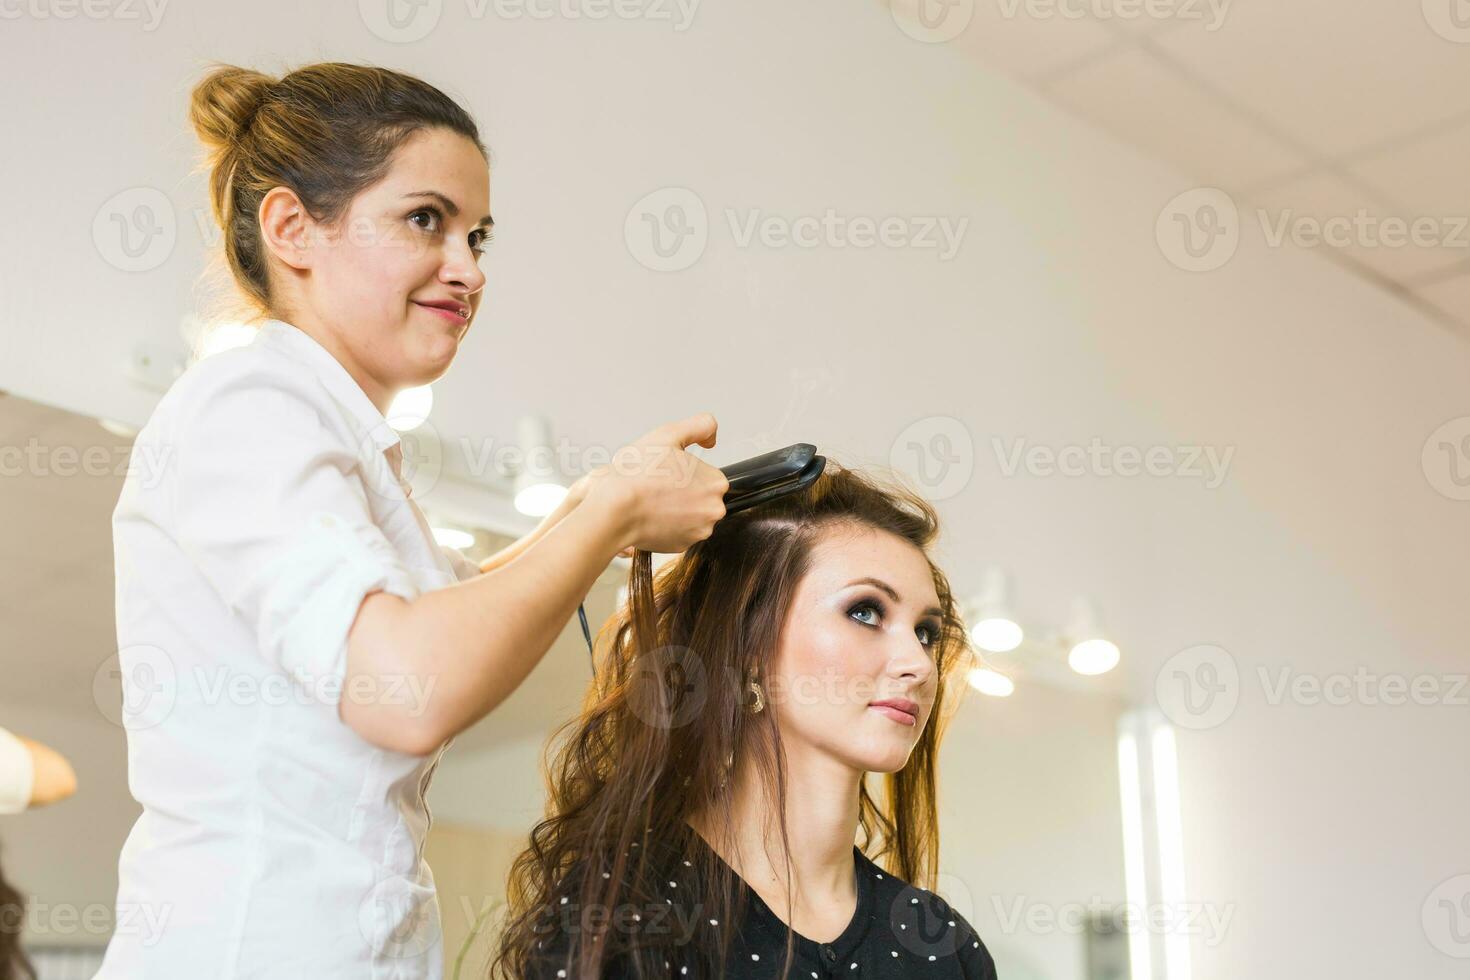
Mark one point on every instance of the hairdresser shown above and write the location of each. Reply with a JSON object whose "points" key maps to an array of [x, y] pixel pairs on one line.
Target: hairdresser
{"points": [[278, 543]]}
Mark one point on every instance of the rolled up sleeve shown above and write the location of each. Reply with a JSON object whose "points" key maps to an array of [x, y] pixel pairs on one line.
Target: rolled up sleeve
{"points": [[464, 567], [271, 506]]}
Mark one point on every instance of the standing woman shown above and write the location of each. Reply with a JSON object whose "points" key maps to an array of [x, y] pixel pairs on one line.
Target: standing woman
{"points": [[296, 650]]}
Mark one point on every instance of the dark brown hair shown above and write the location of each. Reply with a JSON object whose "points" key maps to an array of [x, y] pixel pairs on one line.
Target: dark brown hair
{"points": [[666, 714], [326, 131], [13, 962]]}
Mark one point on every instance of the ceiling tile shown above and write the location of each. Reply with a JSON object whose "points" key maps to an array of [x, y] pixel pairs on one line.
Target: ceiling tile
{"points": [[1375, 233], [1337, 76], [1139, 100], [1430, 175]]}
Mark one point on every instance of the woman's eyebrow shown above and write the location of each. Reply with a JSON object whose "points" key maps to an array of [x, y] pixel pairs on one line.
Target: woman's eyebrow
{"points": [[451, 207], [892, 594]]}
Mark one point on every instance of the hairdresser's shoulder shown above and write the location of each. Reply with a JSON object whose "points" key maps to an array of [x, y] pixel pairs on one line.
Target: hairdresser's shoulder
{"points": [[926, 923], [244, 379]]}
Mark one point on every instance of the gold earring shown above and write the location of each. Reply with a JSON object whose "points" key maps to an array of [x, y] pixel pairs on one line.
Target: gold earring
{"points": [[760, 699]]}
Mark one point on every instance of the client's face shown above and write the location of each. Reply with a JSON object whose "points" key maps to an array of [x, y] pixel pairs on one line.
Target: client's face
{"points": [[854, 676]]}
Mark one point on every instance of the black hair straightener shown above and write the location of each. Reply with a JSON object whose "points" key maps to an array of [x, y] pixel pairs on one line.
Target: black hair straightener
{"points": [[754, 481]]}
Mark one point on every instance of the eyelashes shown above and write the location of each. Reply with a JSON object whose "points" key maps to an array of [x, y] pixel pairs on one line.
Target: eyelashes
{"points": [[929, 626], [477, 244]]}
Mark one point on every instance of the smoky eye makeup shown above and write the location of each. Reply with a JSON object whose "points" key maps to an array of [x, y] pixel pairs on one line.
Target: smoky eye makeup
{"points": [[931, 626]]}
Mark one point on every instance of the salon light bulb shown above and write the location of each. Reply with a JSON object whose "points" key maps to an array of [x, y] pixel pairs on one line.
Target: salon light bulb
{"points": [[225, 336], [997, 634], [539, 499], [991, 682], [1095, 656], [453, 537], [410, 408]]}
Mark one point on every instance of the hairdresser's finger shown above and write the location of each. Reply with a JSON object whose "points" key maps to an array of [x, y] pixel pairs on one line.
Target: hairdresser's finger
{"points": [[695, 429]]}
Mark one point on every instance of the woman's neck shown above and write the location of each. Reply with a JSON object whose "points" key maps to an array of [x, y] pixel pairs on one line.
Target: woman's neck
{"points": [[821, 824], [377, 393]]}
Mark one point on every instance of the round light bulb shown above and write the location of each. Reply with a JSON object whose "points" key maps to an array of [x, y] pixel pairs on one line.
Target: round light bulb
{"points": [[997, 634], [987, 681], [1094, 656], [410, 408]]}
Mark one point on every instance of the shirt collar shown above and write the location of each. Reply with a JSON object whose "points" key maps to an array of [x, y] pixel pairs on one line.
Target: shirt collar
{"points": [[301, 346]]}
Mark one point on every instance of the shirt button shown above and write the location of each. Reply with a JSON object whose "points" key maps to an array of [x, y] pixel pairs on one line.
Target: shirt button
{"points": [[829, 954]]}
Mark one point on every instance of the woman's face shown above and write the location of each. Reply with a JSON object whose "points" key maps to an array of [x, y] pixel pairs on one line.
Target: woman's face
{"points": [[849, 644], [413, 238]]}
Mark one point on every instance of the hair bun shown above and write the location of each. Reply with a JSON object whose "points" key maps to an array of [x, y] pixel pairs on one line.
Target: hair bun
{"points": [[223, 104]]}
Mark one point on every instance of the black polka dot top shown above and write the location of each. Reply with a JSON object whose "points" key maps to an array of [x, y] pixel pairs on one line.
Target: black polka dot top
{"points": [[897, 932]]}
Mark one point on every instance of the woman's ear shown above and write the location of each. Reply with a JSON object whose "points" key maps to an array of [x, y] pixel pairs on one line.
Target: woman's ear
{"points": [[286, 228]]}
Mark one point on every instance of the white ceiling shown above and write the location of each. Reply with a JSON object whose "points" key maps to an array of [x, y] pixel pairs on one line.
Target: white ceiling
{"points": [[1320, 107]]}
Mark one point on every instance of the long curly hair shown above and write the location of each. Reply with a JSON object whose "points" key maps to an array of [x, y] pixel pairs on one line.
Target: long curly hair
{"points": [[13, 962], [665, 717]]}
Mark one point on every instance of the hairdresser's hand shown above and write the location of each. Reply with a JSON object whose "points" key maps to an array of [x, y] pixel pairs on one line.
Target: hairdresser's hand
{"points": [[668, 498], [578, 493]]}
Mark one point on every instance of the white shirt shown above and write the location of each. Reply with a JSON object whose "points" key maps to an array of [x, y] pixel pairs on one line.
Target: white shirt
{"points": [[259, 510], [17, 774]]}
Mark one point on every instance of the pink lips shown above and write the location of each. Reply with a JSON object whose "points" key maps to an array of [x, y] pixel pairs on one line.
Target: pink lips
{"points": [[901, 710], [449, 315]]}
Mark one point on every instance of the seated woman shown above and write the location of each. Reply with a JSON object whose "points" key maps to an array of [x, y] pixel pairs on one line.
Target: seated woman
{"points": [[706, 804]]}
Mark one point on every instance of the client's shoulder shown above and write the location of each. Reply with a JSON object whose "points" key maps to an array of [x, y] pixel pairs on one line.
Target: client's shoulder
{"points": [[924, 922]]}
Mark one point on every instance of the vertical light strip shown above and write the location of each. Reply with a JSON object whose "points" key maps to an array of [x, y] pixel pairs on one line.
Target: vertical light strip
{"points": [[1135, 876], [1171, 847]]}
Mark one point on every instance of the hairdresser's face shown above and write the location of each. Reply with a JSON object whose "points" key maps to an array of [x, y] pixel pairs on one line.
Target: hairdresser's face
{"points": [[846, 646], [398, 249]]}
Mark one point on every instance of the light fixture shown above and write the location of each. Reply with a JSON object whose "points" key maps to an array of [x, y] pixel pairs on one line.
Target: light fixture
{"points": [[1091, 652], [537, 491], [1153, 846], [410, 408], [995, 629], [991, 682], [453, 537]]}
